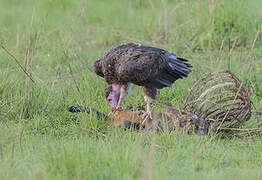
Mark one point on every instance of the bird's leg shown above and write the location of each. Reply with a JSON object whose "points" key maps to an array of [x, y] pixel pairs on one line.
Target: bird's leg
{"points": [[149, 94], [148, 112], [124, 91]]}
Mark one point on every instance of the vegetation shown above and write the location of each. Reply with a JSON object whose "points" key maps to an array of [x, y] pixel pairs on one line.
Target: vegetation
{"points": [[55, 43]]}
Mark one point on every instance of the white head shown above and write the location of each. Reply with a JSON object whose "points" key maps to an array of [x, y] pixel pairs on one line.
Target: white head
{"points": [[112, 94]]}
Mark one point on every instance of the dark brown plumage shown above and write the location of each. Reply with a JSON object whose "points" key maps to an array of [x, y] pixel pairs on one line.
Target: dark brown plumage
{"points": [[150, 67]]}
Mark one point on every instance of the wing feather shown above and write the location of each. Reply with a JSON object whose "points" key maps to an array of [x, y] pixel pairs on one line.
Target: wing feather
{"points": [[142, 65]]}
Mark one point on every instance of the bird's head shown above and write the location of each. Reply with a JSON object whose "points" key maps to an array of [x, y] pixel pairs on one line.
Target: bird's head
{"points": [[112, 94]]}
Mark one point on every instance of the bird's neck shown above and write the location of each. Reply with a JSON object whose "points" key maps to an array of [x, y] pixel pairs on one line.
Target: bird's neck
{"points": [[116, 86]]}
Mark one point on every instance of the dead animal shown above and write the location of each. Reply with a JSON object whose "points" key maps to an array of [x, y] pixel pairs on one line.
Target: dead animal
{"points": [[221, 99]]}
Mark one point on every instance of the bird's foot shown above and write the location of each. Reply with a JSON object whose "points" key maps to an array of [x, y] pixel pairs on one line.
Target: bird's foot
{"points": [[147, 114]]}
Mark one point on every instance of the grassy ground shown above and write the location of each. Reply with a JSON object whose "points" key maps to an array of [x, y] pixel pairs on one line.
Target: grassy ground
{"points": [[56, 42]]}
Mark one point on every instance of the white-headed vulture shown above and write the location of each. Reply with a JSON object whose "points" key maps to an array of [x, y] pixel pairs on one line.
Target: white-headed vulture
{"points": [[149, 67]]}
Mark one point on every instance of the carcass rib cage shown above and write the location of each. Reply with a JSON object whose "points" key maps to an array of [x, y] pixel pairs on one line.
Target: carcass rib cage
{"points": [[220, 99]]}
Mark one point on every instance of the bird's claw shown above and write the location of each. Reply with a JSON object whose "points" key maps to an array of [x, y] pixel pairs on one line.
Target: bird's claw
{"points": [[119, 108], [147, 115]]}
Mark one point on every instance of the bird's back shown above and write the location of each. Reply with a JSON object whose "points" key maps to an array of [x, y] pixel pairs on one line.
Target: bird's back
{"points": [[141, 65]]}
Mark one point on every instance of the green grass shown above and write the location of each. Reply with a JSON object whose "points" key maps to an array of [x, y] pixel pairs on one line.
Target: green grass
{"points": [[57, 41]]}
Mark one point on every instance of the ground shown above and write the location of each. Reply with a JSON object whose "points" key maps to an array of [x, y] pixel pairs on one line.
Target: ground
{"points": [[55, 43]]}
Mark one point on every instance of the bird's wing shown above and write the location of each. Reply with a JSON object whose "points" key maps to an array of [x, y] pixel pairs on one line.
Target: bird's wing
{"points": [[175, 68], [139, 68], [141, 65], [151, 67]]}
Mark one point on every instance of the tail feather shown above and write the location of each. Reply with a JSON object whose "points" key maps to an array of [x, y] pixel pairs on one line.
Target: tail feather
{"points": [[176, 68], [177, 65]]}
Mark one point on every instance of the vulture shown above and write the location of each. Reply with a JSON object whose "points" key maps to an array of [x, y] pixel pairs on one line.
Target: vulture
{"points": [[150, 67]]}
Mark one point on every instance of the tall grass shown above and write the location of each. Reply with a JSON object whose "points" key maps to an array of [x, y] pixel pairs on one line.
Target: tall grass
{"points": [[55, 42]]}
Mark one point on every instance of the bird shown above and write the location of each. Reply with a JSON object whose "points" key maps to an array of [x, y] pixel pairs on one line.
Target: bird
{"points": [[131, 64]]}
